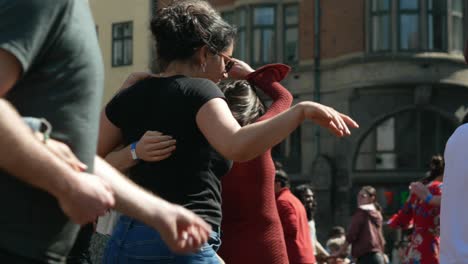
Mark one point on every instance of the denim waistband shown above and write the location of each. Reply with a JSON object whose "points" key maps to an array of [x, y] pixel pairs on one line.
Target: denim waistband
{"points": [[128, 220]]}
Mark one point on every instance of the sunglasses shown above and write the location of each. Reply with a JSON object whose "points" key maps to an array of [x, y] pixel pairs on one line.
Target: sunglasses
{"points": [[227, 65]]}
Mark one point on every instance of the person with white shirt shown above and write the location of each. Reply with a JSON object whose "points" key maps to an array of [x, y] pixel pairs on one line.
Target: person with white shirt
{"points": [[453, 231]]}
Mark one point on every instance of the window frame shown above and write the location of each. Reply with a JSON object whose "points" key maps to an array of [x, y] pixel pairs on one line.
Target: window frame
{"points": [[291, 26], [450, 15], [380, 13], [253, 27], [444, 14], [242, 29], [123, 40], [417, 12]]}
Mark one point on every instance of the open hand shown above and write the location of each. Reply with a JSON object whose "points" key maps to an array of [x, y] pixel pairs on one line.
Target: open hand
{"points": [[239, 70], [182, 230], [419, 189], [327, 117], [154, 146], [62, 151]]}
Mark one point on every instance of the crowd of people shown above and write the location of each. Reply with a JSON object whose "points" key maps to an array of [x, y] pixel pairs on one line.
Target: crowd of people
{"points": [[158, 160]]}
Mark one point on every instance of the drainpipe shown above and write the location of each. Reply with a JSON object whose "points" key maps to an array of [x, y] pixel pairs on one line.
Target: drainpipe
{"points": [[317, 14]]}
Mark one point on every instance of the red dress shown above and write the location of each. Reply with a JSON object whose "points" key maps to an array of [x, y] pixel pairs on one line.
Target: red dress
{"points": [[251, 227], [424, 241]]}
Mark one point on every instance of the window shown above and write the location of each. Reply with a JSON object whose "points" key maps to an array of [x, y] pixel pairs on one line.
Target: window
{"points": [[408, 22], [457, 26], [263, 30], [239, 19], [291, 34], [405, 141], [420, 25], [229, 16], [436, 25], [380, 25], [241, 48], [288, 152], [122, 46]]}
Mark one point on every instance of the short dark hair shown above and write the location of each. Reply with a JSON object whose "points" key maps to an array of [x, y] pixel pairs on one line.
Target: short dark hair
{"points": [[186, 25], [280, 175], [301, 190], [336, 231]]}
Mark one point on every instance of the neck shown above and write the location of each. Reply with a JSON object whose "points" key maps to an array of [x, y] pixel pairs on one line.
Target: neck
{"points": [[179, 68]]}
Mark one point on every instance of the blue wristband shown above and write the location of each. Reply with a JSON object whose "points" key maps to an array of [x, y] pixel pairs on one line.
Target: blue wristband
{"points": [[428, 198], [133, 150]]}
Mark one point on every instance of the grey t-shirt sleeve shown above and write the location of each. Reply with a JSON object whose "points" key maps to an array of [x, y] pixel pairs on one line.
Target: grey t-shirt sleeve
{"points": [[24, 33]]}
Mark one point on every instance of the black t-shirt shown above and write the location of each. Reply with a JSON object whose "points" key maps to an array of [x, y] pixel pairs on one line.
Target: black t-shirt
{"points": [[55, 42], [191, 175]]}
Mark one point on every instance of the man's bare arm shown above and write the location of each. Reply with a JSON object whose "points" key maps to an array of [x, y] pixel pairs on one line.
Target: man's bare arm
{"points": [[82, 196], [182, 230]]}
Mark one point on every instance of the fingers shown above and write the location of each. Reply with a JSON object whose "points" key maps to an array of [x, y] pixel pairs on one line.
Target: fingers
{"points": [[154, 146], [336, 122], [62, 151], [349, 121]]}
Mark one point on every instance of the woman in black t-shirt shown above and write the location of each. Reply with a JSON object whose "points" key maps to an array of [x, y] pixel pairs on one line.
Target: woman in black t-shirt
{"points": [[194, 47]]}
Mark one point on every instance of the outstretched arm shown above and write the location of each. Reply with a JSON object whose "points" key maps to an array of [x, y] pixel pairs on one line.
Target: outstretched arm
{"points": [[245, 143], [237, 143]]}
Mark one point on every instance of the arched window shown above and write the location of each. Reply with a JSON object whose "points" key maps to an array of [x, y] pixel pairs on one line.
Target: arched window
{"points": [[404, 141]]}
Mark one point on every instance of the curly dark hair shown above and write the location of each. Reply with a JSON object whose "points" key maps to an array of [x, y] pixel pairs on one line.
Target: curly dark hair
{"points": [[186, 25], [245, 105]]}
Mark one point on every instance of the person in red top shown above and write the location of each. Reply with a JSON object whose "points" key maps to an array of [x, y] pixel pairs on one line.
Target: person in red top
{"points": [[294, 220], [250, 219], [422, 212]]}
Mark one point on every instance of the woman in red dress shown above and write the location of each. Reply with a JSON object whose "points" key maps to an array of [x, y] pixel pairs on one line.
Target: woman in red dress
{"points": [[422, 211], [251, 226]]}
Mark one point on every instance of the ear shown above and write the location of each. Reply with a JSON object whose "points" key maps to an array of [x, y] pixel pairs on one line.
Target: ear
{"points": [[202, 54]]}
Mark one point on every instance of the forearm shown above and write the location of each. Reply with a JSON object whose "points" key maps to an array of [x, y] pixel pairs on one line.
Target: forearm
{"points": [[319, 249], [254, 139], [27, 158], [121, 159], [130, 199]]}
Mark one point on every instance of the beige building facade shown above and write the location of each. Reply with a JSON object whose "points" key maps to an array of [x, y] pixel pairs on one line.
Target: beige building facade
{"points": [[126, 43]]}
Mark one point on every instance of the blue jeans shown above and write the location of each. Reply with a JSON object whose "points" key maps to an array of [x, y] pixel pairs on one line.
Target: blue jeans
{"points": [[134, 242]]}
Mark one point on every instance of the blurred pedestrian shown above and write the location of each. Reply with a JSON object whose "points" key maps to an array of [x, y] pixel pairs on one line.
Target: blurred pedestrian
{"points": [[422, 212], [453, 216], [364, 234], [306, 195], [294, 220], [50, 67]]}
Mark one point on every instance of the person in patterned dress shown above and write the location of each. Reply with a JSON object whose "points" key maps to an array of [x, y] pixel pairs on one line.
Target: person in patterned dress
{"points": [[421, 211]]}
